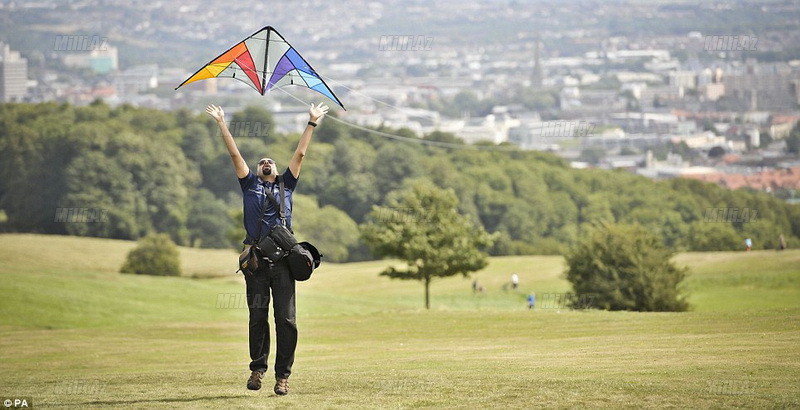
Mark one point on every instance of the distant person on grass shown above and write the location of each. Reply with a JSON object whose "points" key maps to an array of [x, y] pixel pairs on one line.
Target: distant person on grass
{"points": [[477, 287], [274, 276]]}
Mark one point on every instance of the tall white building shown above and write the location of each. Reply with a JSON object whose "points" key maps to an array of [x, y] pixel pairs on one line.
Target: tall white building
{"points": [[13, 75]]}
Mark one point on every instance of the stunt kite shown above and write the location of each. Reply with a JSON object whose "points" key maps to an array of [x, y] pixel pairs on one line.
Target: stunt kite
{"points": [[265, 60]]}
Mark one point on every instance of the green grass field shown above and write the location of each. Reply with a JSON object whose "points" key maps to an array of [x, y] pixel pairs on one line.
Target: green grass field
{"points": [[75, 333]]}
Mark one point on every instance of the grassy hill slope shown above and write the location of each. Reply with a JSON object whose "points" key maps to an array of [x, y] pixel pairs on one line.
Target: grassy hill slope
{"points": [[75, 332]]}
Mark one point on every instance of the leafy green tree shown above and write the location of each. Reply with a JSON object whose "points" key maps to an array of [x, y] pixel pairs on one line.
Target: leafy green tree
{"points": [[536, 99], [351, 185], [716, 152], [35, 146], [664, 222], [596, 209], [626, 268], [208, 223], [98, 110], [707, 236], [254, 122], [523, 221], [219, 176], [152, 122], [393, 164], [466, 102], [154, 255], [330, 131], [237, 233], [161, 173], [142, 164], [423, 228], [763, 233], [22, 161], [492, 206], [98, 183], [197, 144], [446, 137], [317, 168], [794, 216], [328, 228]]}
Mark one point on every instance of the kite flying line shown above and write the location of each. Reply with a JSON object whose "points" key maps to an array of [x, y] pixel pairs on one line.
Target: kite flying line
{"points": [[414, 140], [340, 84], [400, 137]]}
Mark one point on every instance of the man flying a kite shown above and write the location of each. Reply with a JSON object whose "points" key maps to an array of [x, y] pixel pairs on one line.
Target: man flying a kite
{"points": [[269, 276], [265, 60]]}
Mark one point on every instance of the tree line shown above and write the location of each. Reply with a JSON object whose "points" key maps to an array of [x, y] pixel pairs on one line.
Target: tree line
{"points": [[150, 171]]}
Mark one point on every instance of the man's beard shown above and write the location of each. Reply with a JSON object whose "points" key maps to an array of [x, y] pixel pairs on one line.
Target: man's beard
{"points": [[266, 170]]}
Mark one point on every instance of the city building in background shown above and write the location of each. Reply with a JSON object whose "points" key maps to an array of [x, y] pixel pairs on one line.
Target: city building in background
{"points": [[13, 75]]}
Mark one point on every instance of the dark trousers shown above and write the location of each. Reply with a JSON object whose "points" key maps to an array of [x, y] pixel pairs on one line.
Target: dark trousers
{"points": [[277, 278]]}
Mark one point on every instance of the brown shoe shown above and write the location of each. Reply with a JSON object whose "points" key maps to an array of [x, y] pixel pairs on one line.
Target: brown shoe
{"points": [[281, 386], [254, 382]]}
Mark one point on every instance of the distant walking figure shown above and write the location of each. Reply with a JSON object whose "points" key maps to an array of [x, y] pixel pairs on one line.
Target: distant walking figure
{"points": [[477, 287], [748, 244], [514, 281]]}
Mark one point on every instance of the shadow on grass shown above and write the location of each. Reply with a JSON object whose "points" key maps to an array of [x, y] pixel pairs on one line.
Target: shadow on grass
{"points": [[167, 400]]}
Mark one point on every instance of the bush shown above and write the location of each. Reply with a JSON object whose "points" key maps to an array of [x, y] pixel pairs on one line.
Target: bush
{"points": [[154, 255], [626, 268]]}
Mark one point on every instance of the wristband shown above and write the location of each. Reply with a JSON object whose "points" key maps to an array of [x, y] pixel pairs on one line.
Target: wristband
{"points": [[312, 123]]}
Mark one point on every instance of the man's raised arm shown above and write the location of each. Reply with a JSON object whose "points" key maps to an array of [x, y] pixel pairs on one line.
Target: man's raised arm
{"points": [[314, 115], [238, 162]]}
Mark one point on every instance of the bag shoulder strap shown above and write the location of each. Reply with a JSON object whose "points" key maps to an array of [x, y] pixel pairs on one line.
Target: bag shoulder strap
{"points": [[280, 207], [260, 221]]}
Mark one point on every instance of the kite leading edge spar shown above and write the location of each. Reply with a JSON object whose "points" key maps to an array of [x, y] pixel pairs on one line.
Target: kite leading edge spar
{"points": [[264, 61]]}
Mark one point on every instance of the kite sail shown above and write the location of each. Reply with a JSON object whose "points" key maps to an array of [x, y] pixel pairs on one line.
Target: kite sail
{"points": [[264, 61]]}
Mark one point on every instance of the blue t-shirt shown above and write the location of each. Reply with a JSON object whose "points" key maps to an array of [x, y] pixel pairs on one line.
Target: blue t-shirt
{"points": [[254, 198]]}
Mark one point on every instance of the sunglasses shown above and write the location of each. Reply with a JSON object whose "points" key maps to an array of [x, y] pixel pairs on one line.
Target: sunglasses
{"points": [[264, 161]]}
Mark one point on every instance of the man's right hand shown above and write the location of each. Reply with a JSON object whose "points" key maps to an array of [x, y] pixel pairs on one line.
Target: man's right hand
{"points": [[216, 113], [238, 162]]}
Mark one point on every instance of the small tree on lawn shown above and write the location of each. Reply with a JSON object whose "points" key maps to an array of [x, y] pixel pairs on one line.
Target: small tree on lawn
{"points": [[154, 255], [422, 227], [626, 268]]}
